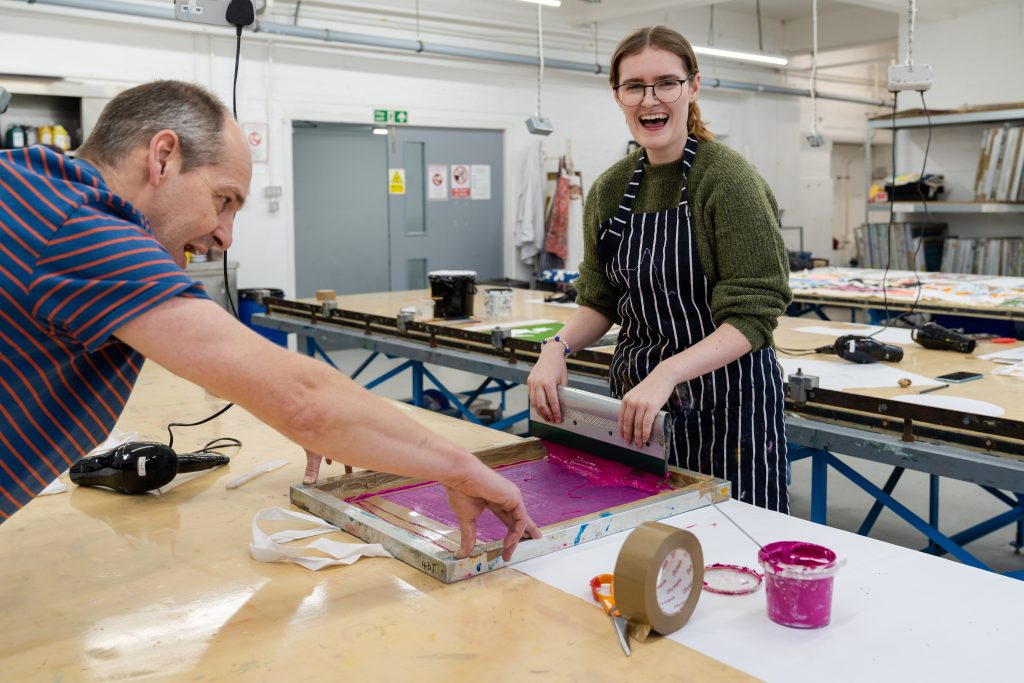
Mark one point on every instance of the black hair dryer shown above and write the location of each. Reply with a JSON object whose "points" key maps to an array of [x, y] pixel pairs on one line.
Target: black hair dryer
{"points": [[134, 467]]}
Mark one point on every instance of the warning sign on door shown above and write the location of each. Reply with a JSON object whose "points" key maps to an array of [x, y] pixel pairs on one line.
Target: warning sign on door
{"points": [[460, 181], [396, 181], [437, 182]]}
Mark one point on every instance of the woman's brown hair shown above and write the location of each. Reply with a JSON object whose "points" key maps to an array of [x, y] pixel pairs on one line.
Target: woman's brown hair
{"points": [[663, 38]]}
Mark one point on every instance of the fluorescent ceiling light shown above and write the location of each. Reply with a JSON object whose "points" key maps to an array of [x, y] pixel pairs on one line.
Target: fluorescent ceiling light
{"points": [[742, 56], [549, 3], [380, 131]]}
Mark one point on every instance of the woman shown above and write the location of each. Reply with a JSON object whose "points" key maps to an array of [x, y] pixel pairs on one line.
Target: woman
{"points": [[682, 248]]}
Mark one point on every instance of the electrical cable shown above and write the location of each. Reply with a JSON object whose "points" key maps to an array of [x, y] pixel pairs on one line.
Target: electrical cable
{"points": [[760, 40], [237, 11]]}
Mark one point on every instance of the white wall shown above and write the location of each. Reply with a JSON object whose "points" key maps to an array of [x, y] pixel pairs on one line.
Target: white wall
{"points": [[284, 80]]}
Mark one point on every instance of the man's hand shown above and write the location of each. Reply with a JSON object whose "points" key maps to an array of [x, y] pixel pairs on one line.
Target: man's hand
{"points": [[547, 374], [485, 488], [309, 477], [641, 405]]}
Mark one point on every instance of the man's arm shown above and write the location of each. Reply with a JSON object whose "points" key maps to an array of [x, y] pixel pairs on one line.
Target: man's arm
{"points": [[319, 408]]}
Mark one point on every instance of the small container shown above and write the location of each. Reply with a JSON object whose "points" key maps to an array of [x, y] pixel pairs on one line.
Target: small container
{"points": [[498, 303], [798, 583], [15, 138], [45, 135], [61, 138], [452, 292]]}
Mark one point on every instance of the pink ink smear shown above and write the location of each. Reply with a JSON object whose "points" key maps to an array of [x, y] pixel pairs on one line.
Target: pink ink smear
{"points": [[565, 485]]}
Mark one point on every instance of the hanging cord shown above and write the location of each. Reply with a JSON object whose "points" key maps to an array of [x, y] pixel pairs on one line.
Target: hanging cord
{"points": [[814, 69], [927, 215], [224, 258], [419, 40], [760, 38], [597, 59], [911, 17], [540, 56]]}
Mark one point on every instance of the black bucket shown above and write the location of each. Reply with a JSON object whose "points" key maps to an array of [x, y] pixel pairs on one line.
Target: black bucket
{"points": [[452, 292], [250, 301]]}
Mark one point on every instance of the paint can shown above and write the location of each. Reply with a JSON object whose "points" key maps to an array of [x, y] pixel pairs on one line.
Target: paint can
{"points": [[798, 582], [498, 303], [452, 292]]}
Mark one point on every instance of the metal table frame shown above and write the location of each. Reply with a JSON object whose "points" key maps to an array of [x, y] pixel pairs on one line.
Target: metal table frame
{"points": [[1003, 477]]}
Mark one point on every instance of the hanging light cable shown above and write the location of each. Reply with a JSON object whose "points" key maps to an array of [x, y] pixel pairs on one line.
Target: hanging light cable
{"points": [[537, 124]]}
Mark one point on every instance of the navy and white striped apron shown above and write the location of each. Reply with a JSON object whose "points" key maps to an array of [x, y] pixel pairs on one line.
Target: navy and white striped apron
{"points": [[727, 423]]}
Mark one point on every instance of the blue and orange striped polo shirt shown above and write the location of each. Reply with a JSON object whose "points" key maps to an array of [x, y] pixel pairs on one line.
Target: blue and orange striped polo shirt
{"points": [[76, 263]]}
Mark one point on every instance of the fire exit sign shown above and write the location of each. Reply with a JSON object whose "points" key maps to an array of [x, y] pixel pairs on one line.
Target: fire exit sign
{"points": [[390, 116]]}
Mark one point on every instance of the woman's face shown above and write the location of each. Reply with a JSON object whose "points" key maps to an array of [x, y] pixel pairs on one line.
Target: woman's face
{"points": [[659, 127]]}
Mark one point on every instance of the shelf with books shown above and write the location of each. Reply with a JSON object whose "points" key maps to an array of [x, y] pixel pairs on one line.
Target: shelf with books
{"points": [[977, 154]]}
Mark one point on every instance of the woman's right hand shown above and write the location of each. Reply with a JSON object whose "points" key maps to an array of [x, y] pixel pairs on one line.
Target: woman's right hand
{"points": [[547, 374]]}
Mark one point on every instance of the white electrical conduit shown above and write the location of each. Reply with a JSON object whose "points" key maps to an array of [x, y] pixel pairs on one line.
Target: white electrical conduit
{"points": [[344, 37]]}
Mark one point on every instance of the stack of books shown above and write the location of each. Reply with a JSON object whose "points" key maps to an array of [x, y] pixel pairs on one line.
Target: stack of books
{"points": [[909, 246], [984, 256], [1000, 176]]}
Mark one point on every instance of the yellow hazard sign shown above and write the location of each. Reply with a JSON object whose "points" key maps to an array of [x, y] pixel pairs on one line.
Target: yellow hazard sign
{"points": [[396, 180]]}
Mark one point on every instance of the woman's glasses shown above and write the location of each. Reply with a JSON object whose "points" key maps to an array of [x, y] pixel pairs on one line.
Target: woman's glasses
{"points": [[665, 91]]}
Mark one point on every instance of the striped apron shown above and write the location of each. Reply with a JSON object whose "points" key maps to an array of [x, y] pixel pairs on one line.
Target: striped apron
{"points": [[727, 423]]}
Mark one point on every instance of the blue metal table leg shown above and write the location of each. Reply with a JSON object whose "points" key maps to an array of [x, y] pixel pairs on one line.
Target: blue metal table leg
{"points": [[903, 512], [389, 374], [417, 384], [819, 486], [365, 363], [876, 507], [933, 510]]}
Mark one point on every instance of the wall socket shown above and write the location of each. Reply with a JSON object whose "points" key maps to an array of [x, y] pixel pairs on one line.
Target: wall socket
{"points": [[213, 12], [272, 191], [910, 77]]}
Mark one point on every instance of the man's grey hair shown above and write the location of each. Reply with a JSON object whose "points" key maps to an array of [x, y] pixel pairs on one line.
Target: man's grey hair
{"points": [[132, 118]]}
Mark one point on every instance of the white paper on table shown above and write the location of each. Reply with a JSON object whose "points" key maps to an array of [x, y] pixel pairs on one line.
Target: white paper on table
{"points": [[840, 375], [568, 304], [56, 486], [889, 335], [871, 602], [509, 324], [1012, 354], [964, 405], [268, 547]]}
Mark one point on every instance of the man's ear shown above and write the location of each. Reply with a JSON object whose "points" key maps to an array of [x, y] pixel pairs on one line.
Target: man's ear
{"points": [[164, 156]]}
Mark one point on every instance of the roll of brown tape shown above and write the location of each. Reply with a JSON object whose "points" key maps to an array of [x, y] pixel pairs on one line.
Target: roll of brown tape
{"points": [[658, 578], [326, 295]]}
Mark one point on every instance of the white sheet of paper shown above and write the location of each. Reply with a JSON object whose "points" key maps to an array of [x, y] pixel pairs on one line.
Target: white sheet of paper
{"points": [[890, 335], [965, 405], [883, 592], [1013, 354], [509, 324], [570, 304], [840, 374]]}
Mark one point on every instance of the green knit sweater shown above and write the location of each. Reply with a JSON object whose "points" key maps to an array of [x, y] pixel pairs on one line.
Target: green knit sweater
{"points": [[736, 225]]}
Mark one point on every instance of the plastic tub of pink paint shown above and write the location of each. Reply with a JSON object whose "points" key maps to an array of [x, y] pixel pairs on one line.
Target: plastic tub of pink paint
{"points": [[798, 582]]}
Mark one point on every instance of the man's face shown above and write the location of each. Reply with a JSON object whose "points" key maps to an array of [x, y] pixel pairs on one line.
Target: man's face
{"points": [[194, 211]]}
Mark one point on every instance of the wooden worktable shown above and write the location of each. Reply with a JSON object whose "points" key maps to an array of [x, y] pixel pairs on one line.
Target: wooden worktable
{"points": [[103, 586], [916, 359]]}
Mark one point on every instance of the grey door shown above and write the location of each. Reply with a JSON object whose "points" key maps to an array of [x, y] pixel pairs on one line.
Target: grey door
{"points": [[454, 233], [341, 209], [353, 236]]}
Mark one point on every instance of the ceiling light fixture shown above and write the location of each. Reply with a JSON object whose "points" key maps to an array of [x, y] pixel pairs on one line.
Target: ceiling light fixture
{"points": [[549, 3], [380, 131], [741, 56]]}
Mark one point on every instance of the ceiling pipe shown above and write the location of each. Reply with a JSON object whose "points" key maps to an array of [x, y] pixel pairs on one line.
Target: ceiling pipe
{"points": [[418, 46]]}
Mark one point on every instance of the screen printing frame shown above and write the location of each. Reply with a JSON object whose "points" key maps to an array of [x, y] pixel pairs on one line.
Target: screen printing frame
{"points": [[326, 500]]}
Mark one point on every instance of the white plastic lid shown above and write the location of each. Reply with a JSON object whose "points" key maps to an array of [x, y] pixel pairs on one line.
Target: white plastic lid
{"points": [[452, 273]]}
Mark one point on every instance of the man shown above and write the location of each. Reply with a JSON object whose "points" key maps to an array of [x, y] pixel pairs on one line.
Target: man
{"points": [[91, 281]]}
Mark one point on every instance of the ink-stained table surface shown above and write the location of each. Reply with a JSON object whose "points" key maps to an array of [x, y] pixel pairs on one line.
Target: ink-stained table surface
{"points": [[97, 586], [983, 296]]}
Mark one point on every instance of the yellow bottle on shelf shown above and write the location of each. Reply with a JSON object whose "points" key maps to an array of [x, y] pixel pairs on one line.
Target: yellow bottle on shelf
{"points": [[44, 134], [61, 138]]}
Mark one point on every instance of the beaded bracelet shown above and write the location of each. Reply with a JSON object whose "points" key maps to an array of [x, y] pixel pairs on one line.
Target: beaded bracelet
{"points": [[560, 341]]}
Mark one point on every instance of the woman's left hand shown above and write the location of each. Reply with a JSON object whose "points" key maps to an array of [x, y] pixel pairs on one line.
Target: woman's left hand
{"points": [[641, 405]]}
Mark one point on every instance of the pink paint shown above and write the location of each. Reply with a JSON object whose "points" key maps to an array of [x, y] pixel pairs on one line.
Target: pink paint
{"points": [[552, 492], [600, 472], [730, 579], [799, 583]]}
